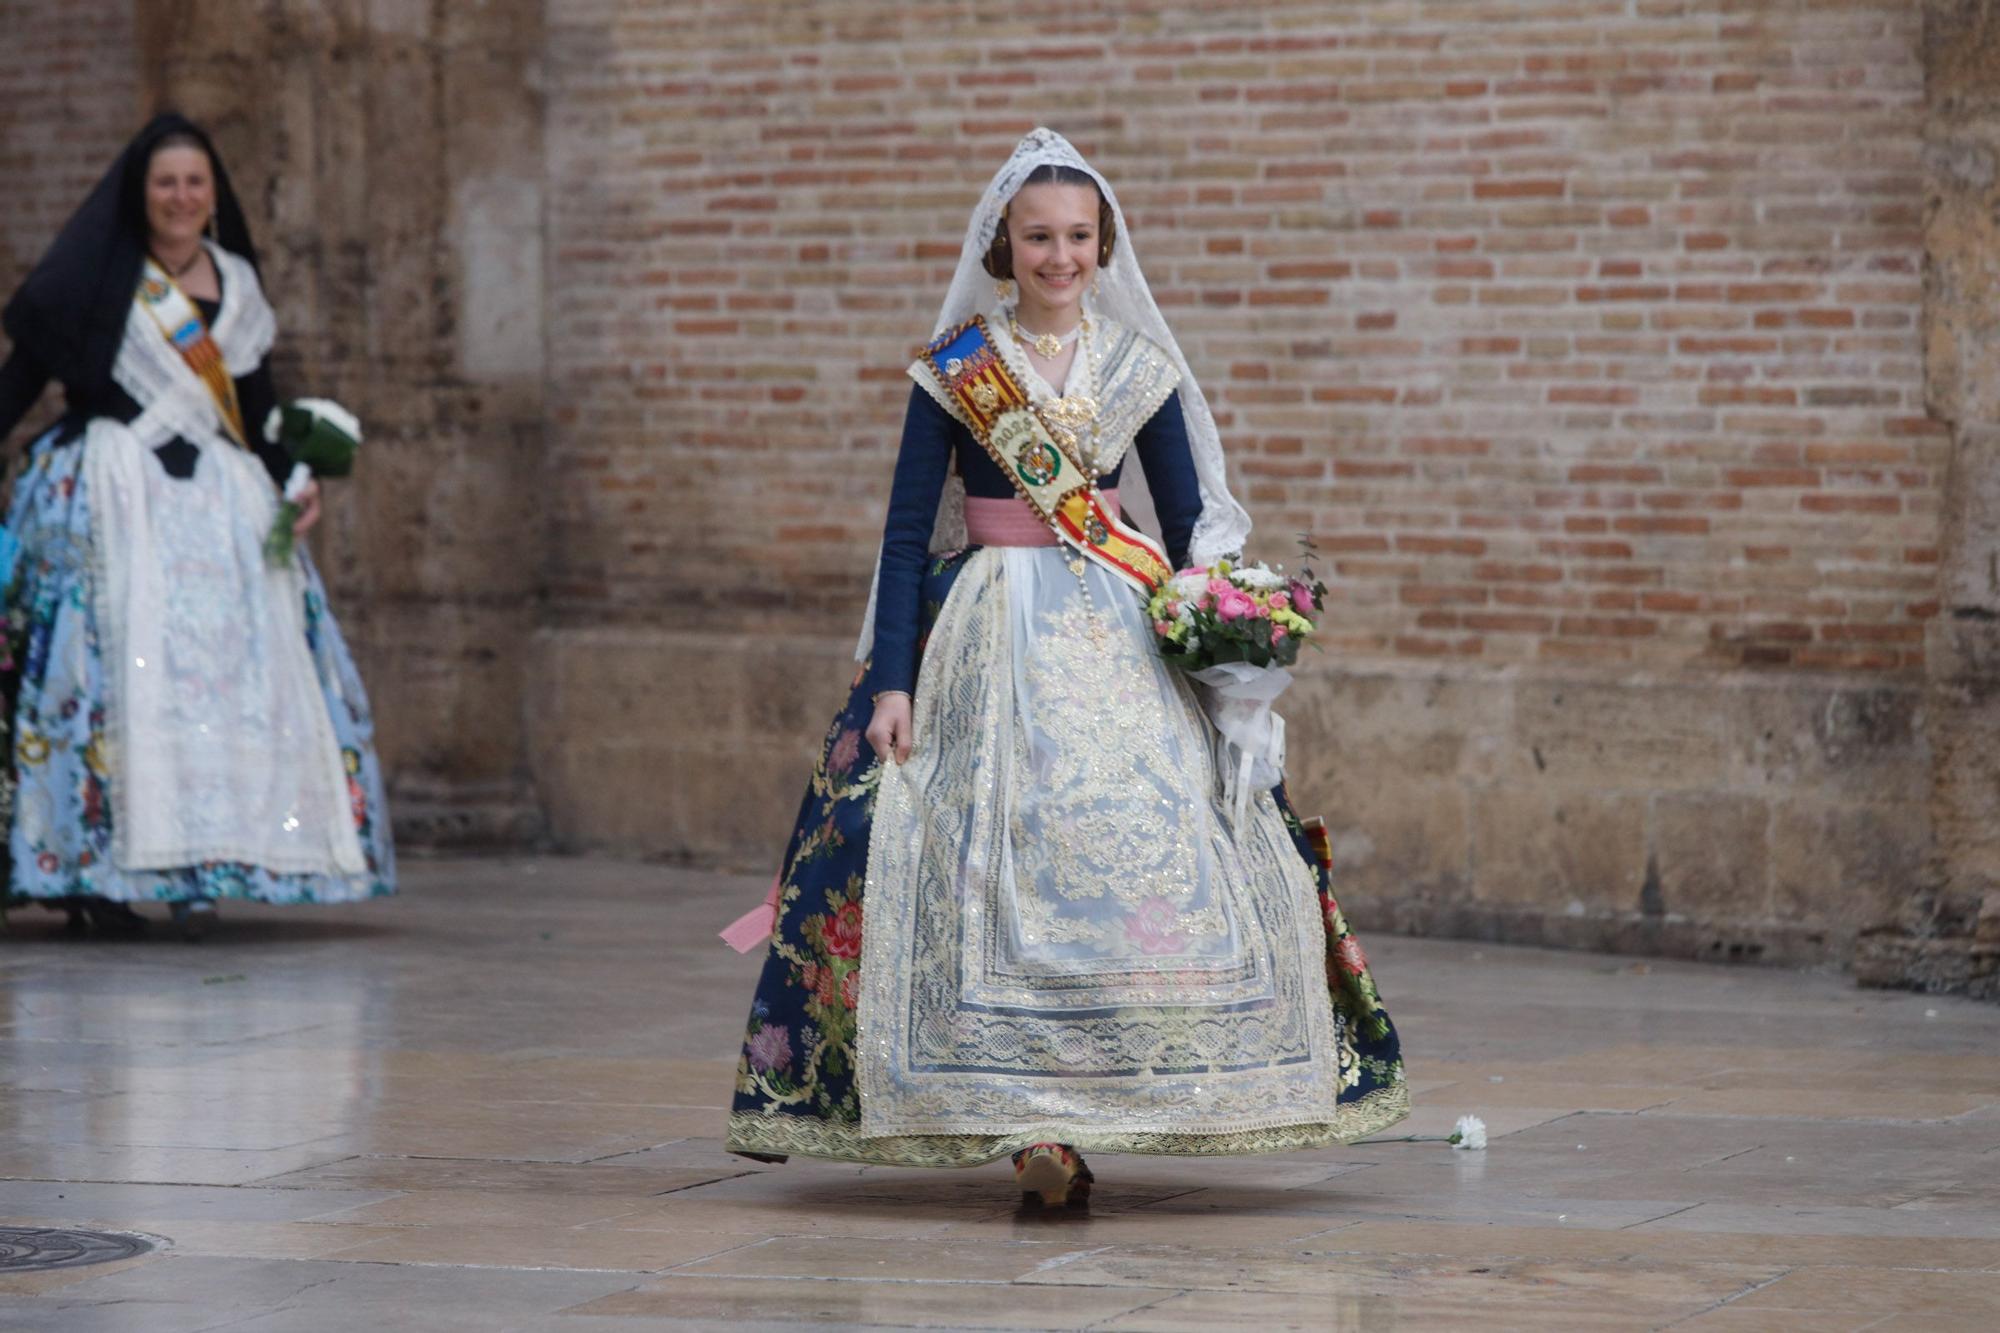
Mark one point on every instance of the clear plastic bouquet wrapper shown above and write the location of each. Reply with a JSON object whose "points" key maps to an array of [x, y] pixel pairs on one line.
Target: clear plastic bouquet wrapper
{"points": [[1234, 628], [321, 438]]}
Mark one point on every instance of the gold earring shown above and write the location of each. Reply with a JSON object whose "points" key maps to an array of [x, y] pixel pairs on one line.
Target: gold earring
{"points": [[1095, 289], [1005, 287]]}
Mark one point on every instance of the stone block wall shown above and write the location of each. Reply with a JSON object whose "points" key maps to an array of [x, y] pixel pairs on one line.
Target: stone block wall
{"points": [[1584, 336], [390, 155], [1947, 932], [1596, 342], [69, 100]]}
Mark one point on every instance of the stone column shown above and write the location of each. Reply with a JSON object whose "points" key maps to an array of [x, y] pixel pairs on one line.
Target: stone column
{"points": [[390, 158], [1950, 936]]}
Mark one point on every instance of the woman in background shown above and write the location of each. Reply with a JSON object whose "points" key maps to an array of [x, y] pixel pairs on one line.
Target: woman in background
{"points": [[187, 723]]}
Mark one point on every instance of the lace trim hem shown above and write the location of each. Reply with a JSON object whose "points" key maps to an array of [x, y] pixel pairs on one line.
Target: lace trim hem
{"points": [[765, 1134]]}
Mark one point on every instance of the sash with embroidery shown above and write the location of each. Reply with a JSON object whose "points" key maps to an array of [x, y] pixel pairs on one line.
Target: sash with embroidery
{"points": [[1011, 430], [180, 320]]}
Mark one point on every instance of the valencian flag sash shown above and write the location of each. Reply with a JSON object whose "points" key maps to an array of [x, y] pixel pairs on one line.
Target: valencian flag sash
{"points": [[1008, 426], [179, 319]]}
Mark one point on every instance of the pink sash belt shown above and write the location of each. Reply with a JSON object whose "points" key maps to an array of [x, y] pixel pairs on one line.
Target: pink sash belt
{"points": [[1010, 522]]}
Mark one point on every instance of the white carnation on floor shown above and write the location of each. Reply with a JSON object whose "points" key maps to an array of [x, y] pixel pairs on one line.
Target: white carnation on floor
{"points": [[1469, 1133]]}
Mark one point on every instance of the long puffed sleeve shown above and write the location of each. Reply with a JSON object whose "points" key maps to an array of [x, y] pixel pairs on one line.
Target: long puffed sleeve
{"points": [[256, 396], [929, 435], [22, 380], [1162, 445]]}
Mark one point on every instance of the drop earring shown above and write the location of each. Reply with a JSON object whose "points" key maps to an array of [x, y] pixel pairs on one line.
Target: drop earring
{"points": [[1005, 287]]}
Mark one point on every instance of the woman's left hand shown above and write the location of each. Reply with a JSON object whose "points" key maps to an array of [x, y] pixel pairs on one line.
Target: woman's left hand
{"points": [[308, 510]]}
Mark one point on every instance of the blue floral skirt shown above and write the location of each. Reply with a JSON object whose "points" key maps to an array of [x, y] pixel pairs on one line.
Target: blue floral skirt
{"points": [[796, 1089], [59, 794]]}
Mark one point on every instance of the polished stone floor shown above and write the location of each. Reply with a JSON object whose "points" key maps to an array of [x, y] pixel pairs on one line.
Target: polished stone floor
{"points": [[494, 1104]]}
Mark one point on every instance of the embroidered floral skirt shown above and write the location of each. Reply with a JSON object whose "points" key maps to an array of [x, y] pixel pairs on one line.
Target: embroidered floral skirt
{"points": [[1044, 925], [58, 793]]}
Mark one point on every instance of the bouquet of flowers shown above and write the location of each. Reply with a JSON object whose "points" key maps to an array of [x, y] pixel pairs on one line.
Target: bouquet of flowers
{"points": [[1235, 628], [321, 438], [1232, 612]]}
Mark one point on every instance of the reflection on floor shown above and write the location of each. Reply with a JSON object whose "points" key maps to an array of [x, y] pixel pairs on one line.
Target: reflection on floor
{"points": [[495, 1104]]}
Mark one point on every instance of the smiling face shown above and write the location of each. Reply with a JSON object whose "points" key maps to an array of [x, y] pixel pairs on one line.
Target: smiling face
{"points": [[1052, 235], [180, 195]]}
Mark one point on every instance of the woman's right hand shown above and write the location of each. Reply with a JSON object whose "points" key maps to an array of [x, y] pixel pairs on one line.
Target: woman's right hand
{"points": [[889, 731]]}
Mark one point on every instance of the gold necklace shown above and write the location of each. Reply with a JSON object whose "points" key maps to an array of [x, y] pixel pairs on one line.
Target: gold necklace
{"points": [[1049, 345], [1068, 415]]}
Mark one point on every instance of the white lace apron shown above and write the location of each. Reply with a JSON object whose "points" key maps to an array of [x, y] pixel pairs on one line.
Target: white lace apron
{"points": [[1063, 931], [220, 744], [1064, 935]]}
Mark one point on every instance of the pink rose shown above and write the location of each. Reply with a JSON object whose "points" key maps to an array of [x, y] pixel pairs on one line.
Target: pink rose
{"points": [[1189, 570], [1217, 587], [1352, 960], [845, 751], [1278, 634], [1163, 627], [841, 931], [1280, 602], [1302, 599], [1234, 605], [1174, 607]]}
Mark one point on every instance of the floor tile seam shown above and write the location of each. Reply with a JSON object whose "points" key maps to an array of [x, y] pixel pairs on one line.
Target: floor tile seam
{"points": [[748, 1242], [283, 1306], [127, 1181], [1733, 1297], [358, 1261], [680, 1273], [703, 1184], [296, 1145], [1139, 1309], [1813, 1120], [1630, 1255]]}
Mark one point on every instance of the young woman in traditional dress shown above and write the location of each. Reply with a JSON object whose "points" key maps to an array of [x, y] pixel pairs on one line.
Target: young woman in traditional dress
{"points": [[186, 722], [1022, 920]]}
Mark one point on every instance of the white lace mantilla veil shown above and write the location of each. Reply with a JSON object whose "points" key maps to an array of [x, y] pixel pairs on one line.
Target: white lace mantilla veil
{"points": [[1123, 298]]}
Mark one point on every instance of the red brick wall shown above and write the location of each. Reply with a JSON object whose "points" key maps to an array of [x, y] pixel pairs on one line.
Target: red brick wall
{"points": [[68, 102], [1575, 330]]}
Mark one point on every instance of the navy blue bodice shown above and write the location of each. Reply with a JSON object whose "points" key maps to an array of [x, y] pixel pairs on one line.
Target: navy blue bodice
{"points": [[932, 437]]}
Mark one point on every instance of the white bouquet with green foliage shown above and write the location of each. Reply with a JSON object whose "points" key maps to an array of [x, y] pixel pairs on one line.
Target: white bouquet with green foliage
{"points": [[321, 438]]}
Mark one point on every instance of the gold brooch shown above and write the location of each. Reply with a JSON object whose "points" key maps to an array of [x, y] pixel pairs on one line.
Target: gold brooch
{"points": [[1071, 410], [985, 396]]}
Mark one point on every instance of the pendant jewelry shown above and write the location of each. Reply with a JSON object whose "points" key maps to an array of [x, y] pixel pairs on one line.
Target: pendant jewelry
{"points": [[184, 269], [1048, 345], [1066, 417]]}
